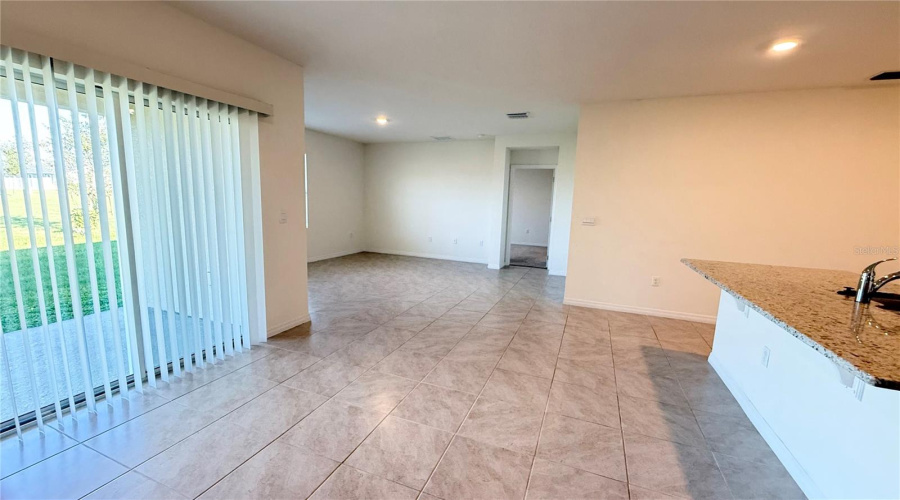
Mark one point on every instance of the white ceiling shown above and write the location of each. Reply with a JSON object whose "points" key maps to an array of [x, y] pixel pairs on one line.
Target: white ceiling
{"points": [[456, 68]]}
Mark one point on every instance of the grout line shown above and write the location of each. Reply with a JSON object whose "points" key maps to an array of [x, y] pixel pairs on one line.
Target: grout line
{"points": [[621, 426], [474, 401], [546, 407], [343, 462], [173, 400]]}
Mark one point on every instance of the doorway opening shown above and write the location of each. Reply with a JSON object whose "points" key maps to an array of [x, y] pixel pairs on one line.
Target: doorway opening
{"points": [[532, 175]]}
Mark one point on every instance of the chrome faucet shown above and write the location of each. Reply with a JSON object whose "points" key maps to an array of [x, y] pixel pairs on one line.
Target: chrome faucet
{"points": [[868, 285]]}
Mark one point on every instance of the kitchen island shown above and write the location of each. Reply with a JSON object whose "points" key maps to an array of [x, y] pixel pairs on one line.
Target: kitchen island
{"points": [[816, 373]]}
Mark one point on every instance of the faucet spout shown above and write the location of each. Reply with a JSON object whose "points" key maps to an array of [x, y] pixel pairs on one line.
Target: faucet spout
{"points": [[869, 285], [884, 280]]}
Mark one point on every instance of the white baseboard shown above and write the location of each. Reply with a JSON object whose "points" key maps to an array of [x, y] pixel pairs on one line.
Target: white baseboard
{"points": [[529, 244], [335, 255], [778, 447], [287, 325], [429, 256], [699, 318]]}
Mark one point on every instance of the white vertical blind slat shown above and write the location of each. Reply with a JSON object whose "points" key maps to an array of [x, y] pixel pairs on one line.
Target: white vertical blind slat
{"points": [[167, 191], [238, 204], [35, 260], [7, 376], [122, 232], [175, 224], [88, 236], [202, 274], [149, 200], [90, 95], [190, 236], [134, 161], [212, 235], [252, 207], [17, 283], [229, 237], [221, 237], [62, 191], [163, 233]]}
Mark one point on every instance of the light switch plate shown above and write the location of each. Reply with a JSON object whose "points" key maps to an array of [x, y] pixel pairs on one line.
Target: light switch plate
{"points": [[588, 221]]}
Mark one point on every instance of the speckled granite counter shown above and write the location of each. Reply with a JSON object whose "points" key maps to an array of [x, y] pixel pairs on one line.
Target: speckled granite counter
{"points": [[804, 302]]}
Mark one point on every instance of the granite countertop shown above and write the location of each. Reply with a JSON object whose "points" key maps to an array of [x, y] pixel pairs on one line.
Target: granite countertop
{"points": [[864, 340]]}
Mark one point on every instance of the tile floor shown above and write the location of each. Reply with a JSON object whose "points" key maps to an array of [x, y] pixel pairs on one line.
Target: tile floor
{"points": [[424, 379], [528, 256]]}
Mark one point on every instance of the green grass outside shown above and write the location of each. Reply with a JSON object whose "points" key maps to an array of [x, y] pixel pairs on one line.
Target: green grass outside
{"points": [[9, 314]]}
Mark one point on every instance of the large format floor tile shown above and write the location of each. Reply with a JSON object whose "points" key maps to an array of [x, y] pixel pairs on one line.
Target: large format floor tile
{"points": [[325, 378], [552, 481], [674, 468], [334, 430], [226, 393], [347, 482], [16, 454], [435, 406], [110, 413], [183, 468], [70, 474], [408, 364], [423, 379], [402, 451], [593, 405], [471, 469], [660, 420], [280, 365], [275, 411], [135, 486], [279, 471], [584, 445], [503, 424], [518, 389], [377, 391], [139, 439]]}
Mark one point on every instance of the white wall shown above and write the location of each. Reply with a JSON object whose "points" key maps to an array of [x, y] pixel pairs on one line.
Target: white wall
{"points": [[166, 40], [441, 190], [542, 156], [531, 197], [336, 196], [562, 195], [800, 178]]}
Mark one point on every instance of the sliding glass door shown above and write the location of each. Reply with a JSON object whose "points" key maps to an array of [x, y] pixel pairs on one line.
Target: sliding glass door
{"points": [[128, 248]]}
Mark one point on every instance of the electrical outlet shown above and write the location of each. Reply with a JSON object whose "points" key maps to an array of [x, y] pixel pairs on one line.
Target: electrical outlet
{"points": [[455, 241], [429, 239], [765, 356], [282, 217], [481, 243], [654, 281]]}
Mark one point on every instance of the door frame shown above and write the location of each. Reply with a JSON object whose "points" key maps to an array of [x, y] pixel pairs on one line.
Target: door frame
{"points": [[509, 204]]}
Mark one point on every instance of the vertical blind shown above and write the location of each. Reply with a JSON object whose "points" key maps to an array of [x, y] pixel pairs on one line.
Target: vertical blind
{"points": [[131, 218]]}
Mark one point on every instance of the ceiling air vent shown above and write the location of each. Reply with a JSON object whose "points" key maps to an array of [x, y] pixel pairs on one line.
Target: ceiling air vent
{"points": [[887, 75], [442, 138], [517, 116]]}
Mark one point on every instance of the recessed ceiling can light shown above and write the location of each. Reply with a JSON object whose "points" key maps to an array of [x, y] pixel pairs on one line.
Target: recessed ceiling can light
{"points": [[382, 120], [785, 45]]}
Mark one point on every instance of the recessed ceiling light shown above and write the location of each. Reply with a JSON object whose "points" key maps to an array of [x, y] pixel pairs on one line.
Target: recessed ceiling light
{"points": [[785, 45], [382, 120]]}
